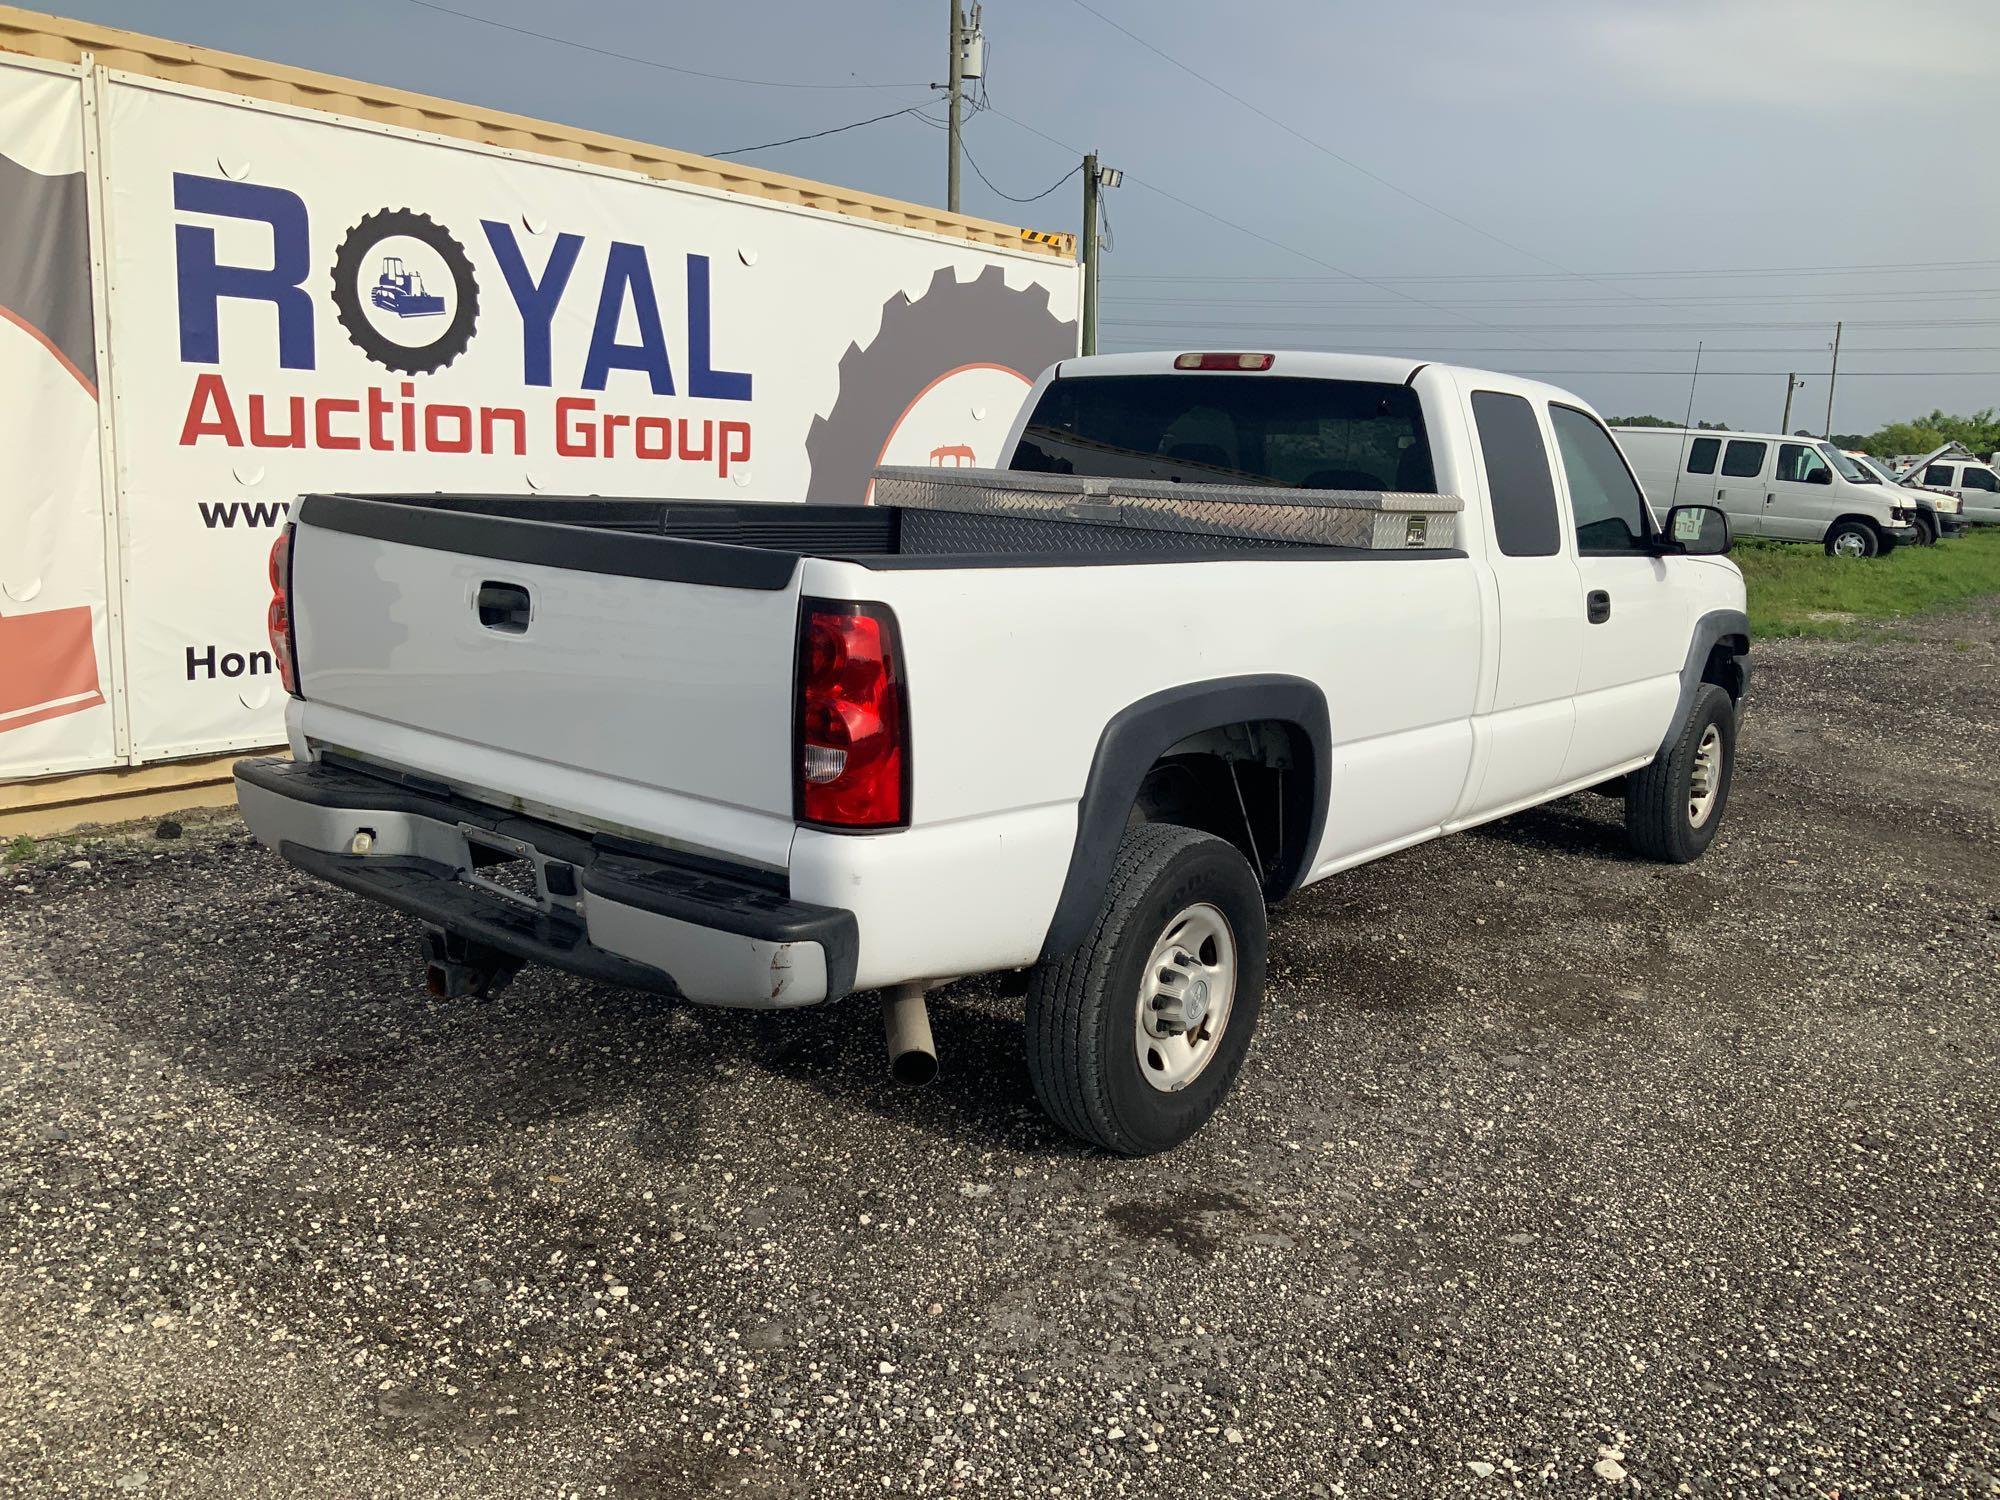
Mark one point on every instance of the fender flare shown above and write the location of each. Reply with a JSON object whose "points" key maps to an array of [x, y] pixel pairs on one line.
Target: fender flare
{"points": [[1716, 625], [1137, 736]]}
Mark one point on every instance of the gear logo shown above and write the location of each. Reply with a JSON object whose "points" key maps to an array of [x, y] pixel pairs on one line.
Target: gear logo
{"points": [[405, 292], [911, 390]]}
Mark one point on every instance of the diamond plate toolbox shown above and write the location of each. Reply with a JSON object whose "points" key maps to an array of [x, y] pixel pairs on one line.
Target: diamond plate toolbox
{"points": [[1375, 520]]}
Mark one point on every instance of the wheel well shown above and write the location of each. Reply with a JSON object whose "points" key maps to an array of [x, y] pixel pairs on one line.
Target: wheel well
{"points": [[1725, 667], [1869, 521], [1249, 783]]}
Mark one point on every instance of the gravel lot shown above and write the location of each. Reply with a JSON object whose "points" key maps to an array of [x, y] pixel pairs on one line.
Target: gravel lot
{"points": [[1550, 1170]]}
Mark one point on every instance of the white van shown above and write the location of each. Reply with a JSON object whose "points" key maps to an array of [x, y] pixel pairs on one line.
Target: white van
{"points": [[1789, 488], [1976, 485]]}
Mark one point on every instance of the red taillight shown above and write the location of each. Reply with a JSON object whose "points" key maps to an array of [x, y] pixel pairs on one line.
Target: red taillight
{"points": [[853, 740], [278, 620], [1223, 362]]}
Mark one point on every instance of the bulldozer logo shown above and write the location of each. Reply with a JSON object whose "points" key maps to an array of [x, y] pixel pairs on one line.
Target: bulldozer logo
{"points": [[405, 292]]}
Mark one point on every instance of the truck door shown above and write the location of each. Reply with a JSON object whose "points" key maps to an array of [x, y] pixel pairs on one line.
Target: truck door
{"points": [[1635, 623], [1524, 738], [1740, 489]]}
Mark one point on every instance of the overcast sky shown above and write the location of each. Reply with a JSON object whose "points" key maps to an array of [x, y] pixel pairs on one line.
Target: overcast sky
{"points": [[1561, 147]]}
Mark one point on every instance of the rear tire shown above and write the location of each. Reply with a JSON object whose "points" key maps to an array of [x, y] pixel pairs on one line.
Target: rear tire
{"points": [[1853, 539], [1674, 806], [1182, 906]]}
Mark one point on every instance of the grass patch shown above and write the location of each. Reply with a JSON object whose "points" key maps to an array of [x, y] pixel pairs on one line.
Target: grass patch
{"points": [[21, 848], [1796, 589]]}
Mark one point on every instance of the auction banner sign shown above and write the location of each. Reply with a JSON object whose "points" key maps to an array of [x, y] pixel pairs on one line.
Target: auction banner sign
{"points": [[301, 302], [56, 637]]}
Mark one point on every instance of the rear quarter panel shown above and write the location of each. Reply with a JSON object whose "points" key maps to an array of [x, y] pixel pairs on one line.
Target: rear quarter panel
{"points": [[1014, 673]]}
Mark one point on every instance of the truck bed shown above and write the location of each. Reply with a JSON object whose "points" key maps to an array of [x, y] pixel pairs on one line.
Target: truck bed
{"points": [[756, 544]]}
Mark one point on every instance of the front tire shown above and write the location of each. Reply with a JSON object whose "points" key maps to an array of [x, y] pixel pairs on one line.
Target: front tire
{"points": [[1674, 806], [1853, 539], [1927, 529], [1135, 1038]]}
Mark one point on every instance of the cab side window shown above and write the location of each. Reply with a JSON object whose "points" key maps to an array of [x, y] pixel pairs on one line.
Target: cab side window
{"points": [[1744, 460], [1797, 463], [1604, 498], [1980, 479], [1517, 475], [1701, 455]]}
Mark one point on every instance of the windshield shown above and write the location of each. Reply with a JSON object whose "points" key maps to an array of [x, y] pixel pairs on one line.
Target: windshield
{"points": [[1231, 429], [1872, 471], [1844, 466]]}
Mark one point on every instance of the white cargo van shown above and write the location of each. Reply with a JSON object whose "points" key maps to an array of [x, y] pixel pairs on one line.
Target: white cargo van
{"points": [[1789, 488]]}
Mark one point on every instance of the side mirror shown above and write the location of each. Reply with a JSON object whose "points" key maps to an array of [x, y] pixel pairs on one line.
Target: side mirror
{"points": [[1697, 531], [1820, 476]]}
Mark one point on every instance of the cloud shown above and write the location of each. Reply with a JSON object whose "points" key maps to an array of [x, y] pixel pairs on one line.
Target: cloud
{"points": [[1834, 55]]}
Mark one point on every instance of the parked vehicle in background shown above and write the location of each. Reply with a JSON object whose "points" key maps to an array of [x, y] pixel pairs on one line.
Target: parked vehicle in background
{"points": [[1957, 473], [1938, 513], [1222, 629], [1772, 485]]}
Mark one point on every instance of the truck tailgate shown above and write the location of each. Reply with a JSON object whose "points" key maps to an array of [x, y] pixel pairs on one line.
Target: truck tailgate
{"points": [[642, 682]]}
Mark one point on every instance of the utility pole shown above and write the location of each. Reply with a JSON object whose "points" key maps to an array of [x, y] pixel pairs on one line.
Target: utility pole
{"points": [[956, 87], [1792, 383], [1090, 253], [1832, 375], [1095, 178]]}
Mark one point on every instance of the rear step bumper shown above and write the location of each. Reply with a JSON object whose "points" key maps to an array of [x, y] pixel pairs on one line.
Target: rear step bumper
{"points": [[609, 909]]}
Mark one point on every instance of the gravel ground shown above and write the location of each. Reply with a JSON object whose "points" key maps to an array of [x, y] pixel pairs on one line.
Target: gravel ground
{"points": [[1551, 1170]]}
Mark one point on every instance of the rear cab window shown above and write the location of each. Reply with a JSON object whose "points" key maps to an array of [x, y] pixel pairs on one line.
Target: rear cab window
{"points": [[1518, 483], [1206, 428], [1938, 474]]}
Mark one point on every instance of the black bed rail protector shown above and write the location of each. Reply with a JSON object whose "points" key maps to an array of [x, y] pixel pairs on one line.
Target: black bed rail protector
{"points": [[555, 544]]}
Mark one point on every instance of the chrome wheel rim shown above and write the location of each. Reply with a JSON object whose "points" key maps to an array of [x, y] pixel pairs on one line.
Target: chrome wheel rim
{"points": [[1185, 997], [1705, 779], [1850, 544]]}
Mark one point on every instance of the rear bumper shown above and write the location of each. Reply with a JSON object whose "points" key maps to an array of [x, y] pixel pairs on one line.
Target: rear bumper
{"points": [[614, 910]]}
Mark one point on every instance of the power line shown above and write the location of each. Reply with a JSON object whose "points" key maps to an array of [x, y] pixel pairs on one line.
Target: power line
{"points": [[815, 135], [1535, 328], [646, 62], [1252, 233], [1925, 267], [1345, 161], [1752, 299], [1757, 374], [966, 151]]}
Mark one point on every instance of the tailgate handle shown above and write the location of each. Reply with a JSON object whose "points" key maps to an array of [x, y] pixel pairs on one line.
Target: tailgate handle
{"points": [[503, 607]]}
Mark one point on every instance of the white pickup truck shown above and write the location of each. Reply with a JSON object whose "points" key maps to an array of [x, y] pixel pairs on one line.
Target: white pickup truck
{"points": [[1228, 624]]}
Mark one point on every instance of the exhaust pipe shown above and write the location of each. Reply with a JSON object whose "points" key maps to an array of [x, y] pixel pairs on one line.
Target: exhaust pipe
{"points": [[907, 1023]]}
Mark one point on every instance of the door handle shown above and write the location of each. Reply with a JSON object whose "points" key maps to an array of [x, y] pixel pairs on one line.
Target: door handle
{"points": [[1597, 606], [503, 607]]}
